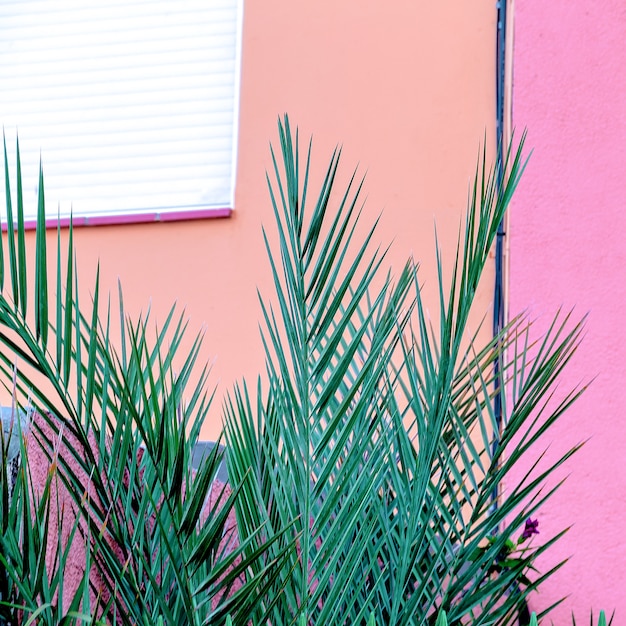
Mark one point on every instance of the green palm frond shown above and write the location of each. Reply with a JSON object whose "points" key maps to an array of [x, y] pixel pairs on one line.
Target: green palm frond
{"points": [[37, 535], [313, 431], [363, 471], [375, 433], [128, 421]]}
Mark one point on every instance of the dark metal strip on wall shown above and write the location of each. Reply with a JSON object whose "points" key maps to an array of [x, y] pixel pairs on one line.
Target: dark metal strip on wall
{"points": [[498, 298]]}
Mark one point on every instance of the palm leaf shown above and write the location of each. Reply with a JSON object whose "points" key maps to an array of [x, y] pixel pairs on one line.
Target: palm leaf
{"points": [[128, 425], [312, 432], [375, 433]]}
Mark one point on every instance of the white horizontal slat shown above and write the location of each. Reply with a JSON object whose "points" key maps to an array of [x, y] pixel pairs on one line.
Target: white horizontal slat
{"points": [[131, 105]]}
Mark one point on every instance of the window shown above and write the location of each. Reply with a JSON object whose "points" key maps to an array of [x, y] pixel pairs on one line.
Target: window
{"points": [[131, 104]]}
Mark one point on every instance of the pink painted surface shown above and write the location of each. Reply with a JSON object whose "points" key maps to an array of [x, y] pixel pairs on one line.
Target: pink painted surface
{"points": [[40, 468], [567, 249]]}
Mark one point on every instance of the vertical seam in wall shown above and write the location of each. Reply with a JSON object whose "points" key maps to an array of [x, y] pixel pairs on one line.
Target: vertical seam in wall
{"points": [[502, 128], [502, 136], [507, 131]]}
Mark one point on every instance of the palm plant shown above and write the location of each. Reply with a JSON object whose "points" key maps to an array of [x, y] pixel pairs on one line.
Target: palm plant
{"points": [[118, 420], [601, 620], [363, 475], [32, 583], [375, 436]]}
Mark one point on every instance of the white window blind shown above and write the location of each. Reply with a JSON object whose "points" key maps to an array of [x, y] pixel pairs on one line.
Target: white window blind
{"points": [[132, 105]]}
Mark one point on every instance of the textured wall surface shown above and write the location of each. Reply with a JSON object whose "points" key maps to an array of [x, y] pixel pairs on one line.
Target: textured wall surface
{"points": [[41, 468], [567, 249]]}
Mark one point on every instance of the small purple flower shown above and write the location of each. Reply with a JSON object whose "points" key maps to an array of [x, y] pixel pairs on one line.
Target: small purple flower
{"points": [[530, 528]]}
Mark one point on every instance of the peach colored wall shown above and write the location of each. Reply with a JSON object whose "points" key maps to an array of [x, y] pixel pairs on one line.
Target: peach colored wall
{"points": [[567, 248], [407, 87]]}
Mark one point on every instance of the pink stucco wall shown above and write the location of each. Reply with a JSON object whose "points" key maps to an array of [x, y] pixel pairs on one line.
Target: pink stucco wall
{"points": [[40, 468], [567, 248]]}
